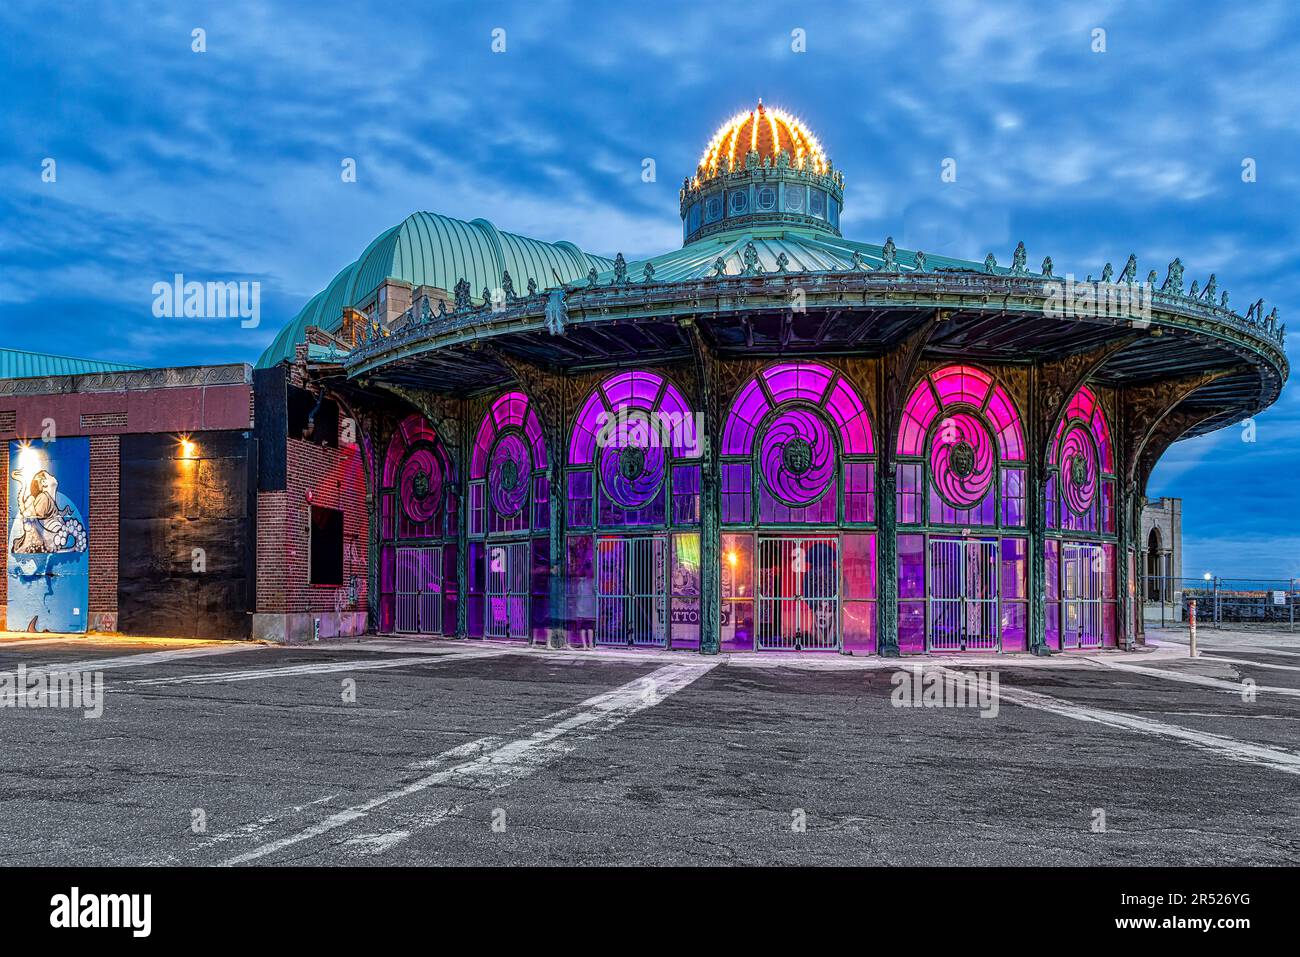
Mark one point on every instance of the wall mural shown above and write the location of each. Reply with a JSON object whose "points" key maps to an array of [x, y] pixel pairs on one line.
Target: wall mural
{"points": [[46, 558]]}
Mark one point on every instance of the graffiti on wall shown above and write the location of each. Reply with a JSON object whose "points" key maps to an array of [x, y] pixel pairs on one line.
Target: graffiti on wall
{"points": [[45, 556]]}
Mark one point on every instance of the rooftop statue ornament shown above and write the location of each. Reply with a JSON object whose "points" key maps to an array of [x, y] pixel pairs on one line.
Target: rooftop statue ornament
{"points": [[782, 262], [591, 278], [1151, 279], [1211, 285], [461, 292], [920, 262], [532, 286], [648, 273], [782, 159], [1223, 300], [990, 264], [752, 160], [1047, 267], [1130, 272], [1255, 314], [1272, 320], [557, 312], [487, 296], [750, 259], [1195, 291], [442, 309], [888, 255], [719, 267], [1018, 260], [508, 286], [426, 311], [1107, 273], [857, 260], [620, 271], [1173, 284]]}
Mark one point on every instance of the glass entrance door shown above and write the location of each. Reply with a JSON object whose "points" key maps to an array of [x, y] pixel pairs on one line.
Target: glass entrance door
{"points": [[963, 592], [632, 590]]}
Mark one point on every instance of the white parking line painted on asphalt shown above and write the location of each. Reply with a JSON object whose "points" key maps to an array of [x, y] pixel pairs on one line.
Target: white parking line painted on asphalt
{"points": [[321, 668], [1275, 758], [1219, 684], [142, 659], [517, 759]]}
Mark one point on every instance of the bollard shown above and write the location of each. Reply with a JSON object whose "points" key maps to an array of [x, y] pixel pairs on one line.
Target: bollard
{"points": [[1191, 626]]}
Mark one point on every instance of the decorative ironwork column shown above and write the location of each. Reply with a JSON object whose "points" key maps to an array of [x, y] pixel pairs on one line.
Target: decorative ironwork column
{"points": [[897, 369], [707, 375]]}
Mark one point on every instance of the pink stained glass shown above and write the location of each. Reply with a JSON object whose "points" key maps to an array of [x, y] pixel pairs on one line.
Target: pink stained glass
{"points": [[742, 421], [798, 456], [533, 431], [1078, 470], [851, 418], [961, 459], [1006, 424], [797, 380], [482, 446], [582, 443], [508, 410], [636, 389], [961, 384], [917, 416]]}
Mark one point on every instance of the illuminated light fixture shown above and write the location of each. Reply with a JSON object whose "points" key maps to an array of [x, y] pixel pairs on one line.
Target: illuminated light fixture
{"points": [[188, 448], [732, 558], [1208, 576], [785, 130]]}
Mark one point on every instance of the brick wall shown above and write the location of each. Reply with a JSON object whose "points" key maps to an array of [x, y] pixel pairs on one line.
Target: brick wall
{"points": [[103, 532], [336, 479]]}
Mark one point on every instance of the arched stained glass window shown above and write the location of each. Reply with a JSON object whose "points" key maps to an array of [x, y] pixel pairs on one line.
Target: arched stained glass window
{"points": [[417, 530], [635, 444], [508, 490], [1081, 547], [960, 503], [1081, 469], [796, 434], [961, 429]]}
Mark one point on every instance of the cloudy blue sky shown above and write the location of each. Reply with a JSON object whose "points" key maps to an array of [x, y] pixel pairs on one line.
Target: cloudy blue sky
{"points": [[225, 164]]}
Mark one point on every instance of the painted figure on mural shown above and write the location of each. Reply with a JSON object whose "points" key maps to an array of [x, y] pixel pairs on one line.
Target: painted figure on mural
{"points": [[43, 526]]}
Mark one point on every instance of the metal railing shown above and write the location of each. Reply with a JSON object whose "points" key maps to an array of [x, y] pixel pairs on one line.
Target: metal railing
{"points": [[1220, 601]]}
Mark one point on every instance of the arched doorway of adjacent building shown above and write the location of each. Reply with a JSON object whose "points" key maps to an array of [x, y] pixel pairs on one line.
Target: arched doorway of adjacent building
{"points": [[1155, 567]]}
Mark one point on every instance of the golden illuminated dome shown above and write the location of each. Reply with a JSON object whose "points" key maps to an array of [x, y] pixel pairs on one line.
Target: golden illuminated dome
{"points": [[767, 131]]}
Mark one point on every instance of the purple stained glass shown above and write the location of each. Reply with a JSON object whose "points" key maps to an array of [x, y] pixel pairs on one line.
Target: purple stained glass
{"points": [[798, 456], [742, 422], [1078, 460], [961, 459], [633, 463], [508, 475], [421, 485]]}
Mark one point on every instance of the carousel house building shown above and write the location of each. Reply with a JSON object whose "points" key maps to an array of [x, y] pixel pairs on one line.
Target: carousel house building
{"points": [[771, 439]]}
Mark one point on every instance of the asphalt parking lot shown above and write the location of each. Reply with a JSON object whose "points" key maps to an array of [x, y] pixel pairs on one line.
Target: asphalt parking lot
{"points": [[406, 752]]}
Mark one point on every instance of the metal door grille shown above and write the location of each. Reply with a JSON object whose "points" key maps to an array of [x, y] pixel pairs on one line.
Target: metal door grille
{"points": [[419, 591], [798, 594], [1082, 567], [963, 594], [508, 570], [632, 591]]}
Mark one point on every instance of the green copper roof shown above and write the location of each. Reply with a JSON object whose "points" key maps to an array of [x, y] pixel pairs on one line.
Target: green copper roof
{"points": [[804, 251], [426, 249], [17, 364]]}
